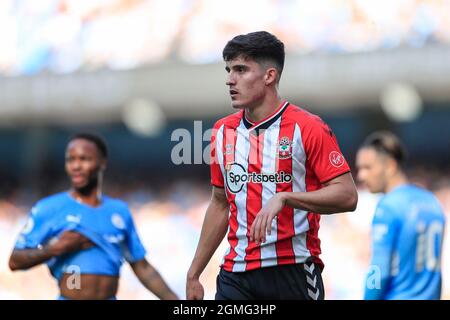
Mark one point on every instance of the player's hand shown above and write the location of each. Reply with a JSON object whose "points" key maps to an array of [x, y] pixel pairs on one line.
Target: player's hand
{"points": [[262, 224], [194, 290], [70, 241]]}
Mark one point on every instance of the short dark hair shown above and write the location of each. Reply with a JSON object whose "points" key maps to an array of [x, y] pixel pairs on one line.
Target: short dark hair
{"points": [[94, 138], [387, 143], [258, 46]]}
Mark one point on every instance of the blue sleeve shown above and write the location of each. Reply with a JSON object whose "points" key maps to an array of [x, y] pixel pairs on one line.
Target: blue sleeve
{"points": [[384, 230], [134, 250], [36, 230]]}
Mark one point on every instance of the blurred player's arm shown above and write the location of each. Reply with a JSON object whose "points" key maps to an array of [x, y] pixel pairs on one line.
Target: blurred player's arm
{"points": [[69, 241], [384, 229], [214, 228], [337, 195], [152, 280]]}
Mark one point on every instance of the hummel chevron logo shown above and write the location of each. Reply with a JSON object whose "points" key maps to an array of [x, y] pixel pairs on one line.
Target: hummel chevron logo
{"points": [[311, 282], [313, 295], [309, 269]]}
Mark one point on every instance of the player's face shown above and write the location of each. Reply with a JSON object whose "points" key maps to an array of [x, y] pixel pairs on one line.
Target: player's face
{"points": [[246, 82], [371, 169], [83, 162]]}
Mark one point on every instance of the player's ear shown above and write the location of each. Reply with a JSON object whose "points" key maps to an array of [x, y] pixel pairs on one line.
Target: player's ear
{"points": [[391, 167], [270, 76]]}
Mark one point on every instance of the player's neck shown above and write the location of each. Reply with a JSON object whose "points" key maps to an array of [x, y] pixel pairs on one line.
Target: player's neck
{"points": [[90, 198], [263, 110], [396, 181]]}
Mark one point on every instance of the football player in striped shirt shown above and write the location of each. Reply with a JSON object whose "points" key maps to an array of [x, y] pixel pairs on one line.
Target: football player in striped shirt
{"points": [[275, 169]]}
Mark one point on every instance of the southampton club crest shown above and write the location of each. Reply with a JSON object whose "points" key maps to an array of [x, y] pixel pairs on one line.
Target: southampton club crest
{"points": [[284, 148]]}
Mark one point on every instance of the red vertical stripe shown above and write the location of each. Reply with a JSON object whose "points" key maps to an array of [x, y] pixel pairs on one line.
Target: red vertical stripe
{"points": [[312, 236], [254, 199], [284, 247], [229, 139]]}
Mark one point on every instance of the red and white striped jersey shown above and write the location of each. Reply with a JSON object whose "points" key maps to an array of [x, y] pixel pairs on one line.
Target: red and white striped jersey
{"points": [[292, 150]]}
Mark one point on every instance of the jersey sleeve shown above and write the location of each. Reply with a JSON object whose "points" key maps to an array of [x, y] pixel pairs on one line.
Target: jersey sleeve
{"points": [[215, 156], [385, 227], [36, 231], [322, 150], [134, 250]]}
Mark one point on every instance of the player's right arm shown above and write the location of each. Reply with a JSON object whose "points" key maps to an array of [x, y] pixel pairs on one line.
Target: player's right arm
{"points": [[33, 246], [22, 259], [385, 228], [69, 241], [214, 228]]}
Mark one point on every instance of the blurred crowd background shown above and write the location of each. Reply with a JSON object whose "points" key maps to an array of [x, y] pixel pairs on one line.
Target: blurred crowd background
{"points": [[64, 36], [136, 71]]}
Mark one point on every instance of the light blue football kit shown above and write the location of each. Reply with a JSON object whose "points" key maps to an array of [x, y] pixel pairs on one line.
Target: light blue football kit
{"points": [[407, 235], [109, 226]]}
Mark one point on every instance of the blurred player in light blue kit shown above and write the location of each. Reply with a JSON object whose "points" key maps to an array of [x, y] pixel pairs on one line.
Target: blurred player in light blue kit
{"points": [[84, 236], [408, 226]]}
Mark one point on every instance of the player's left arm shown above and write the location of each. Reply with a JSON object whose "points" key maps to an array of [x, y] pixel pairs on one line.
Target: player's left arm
{"points": [[329, 167], [146, 273], [337, 195], [152, 280]]}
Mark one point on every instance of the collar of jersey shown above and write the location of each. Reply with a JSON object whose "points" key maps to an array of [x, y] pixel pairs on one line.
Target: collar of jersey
{"points": [[84, 204], [266, 122]]}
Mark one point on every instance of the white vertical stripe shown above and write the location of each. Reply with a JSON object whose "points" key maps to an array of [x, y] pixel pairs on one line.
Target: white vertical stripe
{"points": [[219, 149], [268, 249], [219, 154], [242, 150], [301, 224]]}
